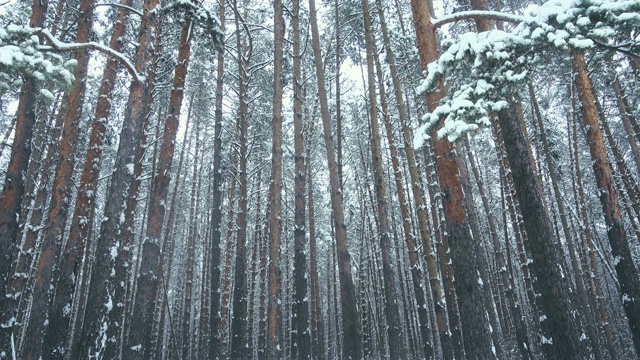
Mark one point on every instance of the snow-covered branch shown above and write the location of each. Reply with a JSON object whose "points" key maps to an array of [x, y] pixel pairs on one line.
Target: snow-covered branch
{"points": [[477, 14], [121, 6], [62, 46]]}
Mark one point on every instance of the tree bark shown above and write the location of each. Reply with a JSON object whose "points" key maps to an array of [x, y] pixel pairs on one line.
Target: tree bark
{"points": [[187, 346], [351, 343], [21, 273], [49, 271], [419, 198], [338, 54], [629, 120], [239, 347], [275, 232], [317, 318], [474, 326], [625, 269], [396, 346], [143, 309], [13, 188], [559, 333], [416, 271], [216, 212], [581, 290], [83, 214], [119, 190], [168, 244], [225, 297], [630, 184], [301, 347], [579, 195]]}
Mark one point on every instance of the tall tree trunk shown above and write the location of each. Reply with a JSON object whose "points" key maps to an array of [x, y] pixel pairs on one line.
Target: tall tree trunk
{"points": [[140, 335], [559, 333], [125, 280], [254, 285], [302, 341], [630, 184], [239, 315], [225, 287], [122, 178], [191, 244], [505, 281], [49, 271], [351, 349], [582, 294], [216, 212], [474, 326], [625, 269], [317, 319], [336, 15], [13, 188], [419, 198], [416, 271], [83, 214], [396, 346], [275, 231], [586, 230], [19, 281], [264, 279], [168, 244]]}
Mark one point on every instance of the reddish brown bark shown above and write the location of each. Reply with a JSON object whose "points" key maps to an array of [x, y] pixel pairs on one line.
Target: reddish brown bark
{"points": [[474, 326], [143, 310], [82, 219], [630, 184], [168, 243], [47, 276], [100, 286], [625, 269], [13, 188], [20, 276]]}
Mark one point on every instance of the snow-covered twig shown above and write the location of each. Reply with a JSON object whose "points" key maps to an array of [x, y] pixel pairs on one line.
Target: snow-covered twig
{"points": [[62, 46], [478, 14]]}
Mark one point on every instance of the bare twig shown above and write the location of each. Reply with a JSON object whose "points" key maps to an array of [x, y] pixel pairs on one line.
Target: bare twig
{"points": [[122, 6]]}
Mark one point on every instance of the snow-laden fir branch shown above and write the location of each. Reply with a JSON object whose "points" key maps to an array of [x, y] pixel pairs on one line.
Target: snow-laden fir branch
{"points": [[62, 46], [479, 68]]}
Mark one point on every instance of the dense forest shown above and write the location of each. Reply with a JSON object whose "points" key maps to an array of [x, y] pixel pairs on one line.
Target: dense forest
{"points": [[347, 179]]}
